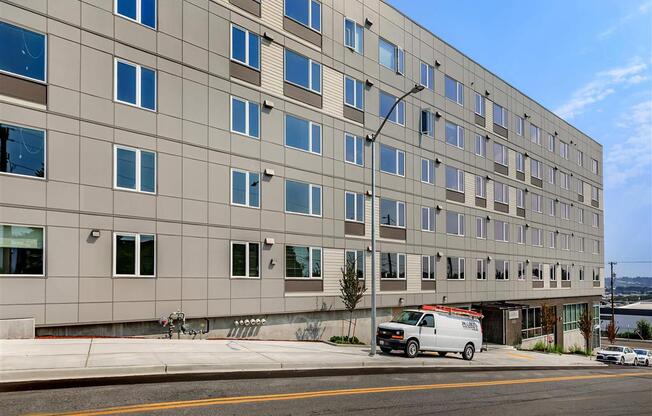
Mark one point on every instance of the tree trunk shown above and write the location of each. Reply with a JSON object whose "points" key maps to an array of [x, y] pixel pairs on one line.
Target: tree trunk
{"points": [[348, 333]]}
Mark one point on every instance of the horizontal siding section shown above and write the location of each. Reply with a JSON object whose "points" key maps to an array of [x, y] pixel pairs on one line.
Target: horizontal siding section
{"points": [[511, 162], [272, 13], [512, 200], [413, 273], [469, 189], [333, 94], [272, 68], [587, 195], [489, 113], [367, 216], [333, 262]]}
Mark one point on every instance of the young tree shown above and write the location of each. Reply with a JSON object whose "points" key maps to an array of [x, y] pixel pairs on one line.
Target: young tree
{"points": [[352, 290], [644, 329], [548, 320], [612, 332], [586, 328]]}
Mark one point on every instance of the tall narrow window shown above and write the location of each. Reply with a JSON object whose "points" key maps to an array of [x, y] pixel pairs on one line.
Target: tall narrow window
{"points": [[428, 171], [397, 115], [303, 262], [427, 219], [306, 12], [520, 162], [354, 206], [480, 227], [537, 203], [23, 52], [245, 188], [245, 259], [245, 47], [302, 71], [520, 198], [563, 150], [22, 151], [392, 160], [520, 123], [535, 168], [501, 193], [245, 117], [22, 250], [551, 143], [427, 123], [427, 76], [479, 107], [302, 198], [520, 234], [392, 213], [353, 36], [454, 135], [353, 93], [480, 187], [480, 146], [355, 258], [502, 270], [134, 169], [428, 268], [134, 254], [135, 85], [454, 90], [520, 270], [481, 269], [500, 154], [501, 231], [391, 56], [500, 115], [535, 134], [302, 134], [353, 149], [594, 166], [141, 11]]}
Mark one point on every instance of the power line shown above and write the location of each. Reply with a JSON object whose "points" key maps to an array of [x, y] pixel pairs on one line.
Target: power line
{"points": [[633, 262]]}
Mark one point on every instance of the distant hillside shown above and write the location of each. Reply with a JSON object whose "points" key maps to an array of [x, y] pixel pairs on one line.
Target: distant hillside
{"points": [[630, 284]]}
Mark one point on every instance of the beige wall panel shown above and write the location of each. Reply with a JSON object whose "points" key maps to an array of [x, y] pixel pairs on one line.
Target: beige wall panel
{"points": [[272, 13], [272, 65], [333, 262], [333, 92], [413, 273]]}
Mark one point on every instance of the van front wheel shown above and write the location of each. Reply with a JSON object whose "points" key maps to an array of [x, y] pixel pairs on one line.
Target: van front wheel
{"points": [[468, 352], [411, 348]]}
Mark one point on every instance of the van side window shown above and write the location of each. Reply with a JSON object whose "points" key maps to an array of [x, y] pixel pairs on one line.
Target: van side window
{"points": [[429, 321]]}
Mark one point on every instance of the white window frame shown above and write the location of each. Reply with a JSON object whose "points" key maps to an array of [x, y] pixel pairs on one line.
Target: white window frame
{"points": [[503, 158], [430, 171], [310, 262], [535, 173], [139, 12], [564, 209], [551, 143], [594, 166], [520, 162], [246, 276], [355, 149], [503, 113], [552, 207], [580, 244], [481, 224], [399, 57], [45, 152], [521, 271], [309, 25], [460, 224], [479, 100], [520, 234], [564, 242], [461, 268], [564, 180], [539, 268], [459, 91], [519, 125], [505, 264], [505, 230], [355, 94], [138, 169], [429, 261], [480, 186], [563, 149], [43, 81], [396, 109], [551, 175], [580, 158], [359, 259], [459, 136], [397, 152], [429, 69], [504, 190], [260, 188], [552, 239], [431, 216], [481, 269], [398, 204], [45, 252], [539, 233], [538, 206], [536, 138], [139, 68], [580, 215], [460, 180], [595, 220], [136, 254], [359, 49], [520, 198], [310, 80], [401, 258], [247, 117], [311, 124], [480, 146], [310, 201], [247, 33], [355, 207], [430, 120], [596, 246]]}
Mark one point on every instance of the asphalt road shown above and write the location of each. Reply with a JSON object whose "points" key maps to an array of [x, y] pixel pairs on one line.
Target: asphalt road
{"points": [[612, 391]]}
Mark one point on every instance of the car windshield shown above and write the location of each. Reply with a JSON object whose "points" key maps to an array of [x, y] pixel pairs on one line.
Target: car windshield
{"points": [[408, 318], [641, 352], [618, 349]]}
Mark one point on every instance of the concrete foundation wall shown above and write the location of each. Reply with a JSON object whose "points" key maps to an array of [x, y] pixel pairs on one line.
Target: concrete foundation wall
{"points": [[572, 339], [17, 328]]}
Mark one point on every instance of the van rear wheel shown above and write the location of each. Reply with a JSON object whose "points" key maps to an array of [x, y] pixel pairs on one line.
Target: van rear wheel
{"points": [[468, 352], [411, 348]]}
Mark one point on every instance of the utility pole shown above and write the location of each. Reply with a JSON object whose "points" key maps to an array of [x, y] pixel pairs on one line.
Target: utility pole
{"points": [[613, 276]]}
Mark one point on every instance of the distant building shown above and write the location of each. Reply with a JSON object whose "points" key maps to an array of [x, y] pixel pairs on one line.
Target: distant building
{"points": [[626, 316]]}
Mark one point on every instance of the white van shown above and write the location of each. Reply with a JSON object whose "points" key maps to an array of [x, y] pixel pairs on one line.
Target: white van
{"points": [[432, 328]]}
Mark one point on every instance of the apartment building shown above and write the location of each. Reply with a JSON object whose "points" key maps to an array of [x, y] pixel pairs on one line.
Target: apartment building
{"points": [[210, 157]]}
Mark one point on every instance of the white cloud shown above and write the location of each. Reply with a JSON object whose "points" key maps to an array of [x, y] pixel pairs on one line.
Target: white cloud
{"points": [[601, 86], [640, 10]]}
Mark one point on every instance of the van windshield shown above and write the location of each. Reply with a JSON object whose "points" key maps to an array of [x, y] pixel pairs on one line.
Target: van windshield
{"points": [[408, 318]]}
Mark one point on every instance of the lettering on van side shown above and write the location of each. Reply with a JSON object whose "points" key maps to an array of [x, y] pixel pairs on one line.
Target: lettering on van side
{"points": [[470, 325]]}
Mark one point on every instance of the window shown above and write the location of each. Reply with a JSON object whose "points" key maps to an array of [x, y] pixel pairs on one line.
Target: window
{"points": [[535, 168], [245, 188], [520, 198], [302, 262], [581, 272], [572, 314], [594, 166], [392, 213], [520, 270], [355, 258], [135, 85], [23, 150], [302, 134], [245, 259], [302, 198], [580, 158], [134, 169], [580, 215], [535, 134], [354, 149], [595, 220], [563, 150], [306, 12], [552, 239], [564, 208], [428, 171], [391, 56], [564, 180], [580, 187], [141, 11], [537, 203], [520, 162], [537, 237], [480, 227], [454, 135], [551, 143], [595, 193], [537, 271], [427, 76], [480, 186], [552, 272], [22, 250], [353, 36], [427, 219], [302, 71], [551, 175], [502, 270], [454, 179], [245, 47], [520, 234], [392, 266], [580, 244], [245, 117], [520, 123], [134, 254], [354, 206], [500, 154], [481, 269], [564, 242], [501, 193], [23, 52], [479, 107], [500, 115], [551, 207], [428, 268], [531, 322], [392, 160], [501, 231], [480, 146], [455, 268], [454, 223], [596, 247], [398, 113], [427, 123], [454, 90], [596, 275], [353, 93]]}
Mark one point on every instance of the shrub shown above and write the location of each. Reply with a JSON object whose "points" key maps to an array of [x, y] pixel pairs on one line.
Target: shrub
{"points": [[576, 349], [544, 347], [644, 329], [344, 340]]}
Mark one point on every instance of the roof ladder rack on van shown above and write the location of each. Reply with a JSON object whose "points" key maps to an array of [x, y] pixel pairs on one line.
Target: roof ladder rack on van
{"points": [[451, 310]]}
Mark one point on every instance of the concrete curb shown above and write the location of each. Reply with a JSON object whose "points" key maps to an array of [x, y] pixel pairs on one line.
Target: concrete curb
{"points": [[99, 376]]}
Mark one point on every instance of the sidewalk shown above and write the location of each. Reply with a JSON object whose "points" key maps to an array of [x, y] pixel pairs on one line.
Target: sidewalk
{"points": [[67, 359]]}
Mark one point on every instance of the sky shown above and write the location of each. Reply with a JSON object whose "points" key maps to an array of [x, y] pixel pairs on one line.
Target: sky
{"points": [[590, 62]]}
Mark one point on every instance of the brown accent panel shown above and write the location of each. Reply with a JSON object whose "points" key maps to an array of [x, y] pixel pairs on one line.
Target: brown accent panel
{"points": [[520, 176], [537, 284], [428, 285], [502, 169], [595, 203], [580, 198], [553, 284], [393, 284], [354, 114], [304, 285], [455, 196], [480, 202], [394, 233], [302, 31], [500, 130], [302, 95], [498, 206], [596, 283], [479, 120], [536, 182], [250, 6], [243, 72], [520, 212], [23, 89], [565, 283], [353, 228]]}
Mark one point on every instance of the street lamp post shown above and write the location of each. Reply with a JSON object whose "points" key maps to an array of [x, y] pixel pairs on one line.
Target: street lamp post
{"points": [[372, 138]]}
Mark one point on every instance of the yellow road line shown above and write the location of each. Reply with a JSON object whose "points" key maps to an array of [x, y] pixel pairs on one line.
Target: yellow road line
{"points": [[329, 393], [526, 357]]}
